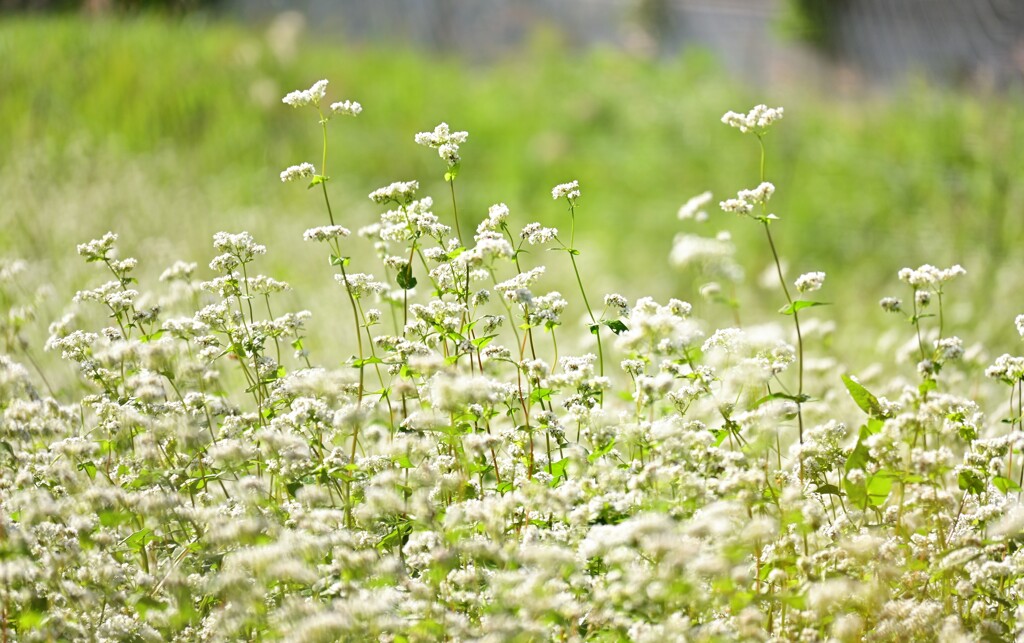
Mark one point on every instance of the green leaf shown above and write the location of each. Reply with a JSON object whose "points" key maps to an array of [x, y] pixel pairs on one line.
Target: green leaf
{"points": [[453, 171], [596, 454], [540, 395], [339, 261], [1004, 484], [863, 397], [971, 482], [829, 489], [113, 517], [927, 385], [616, 326], [140, 539], [799, 399], [369, 360], [799, 305], [317, 180], [878, 487], [558, 470], [405, 279], [396, 536], [29, 620], [481, 342], [89, 468], [146, 603]]}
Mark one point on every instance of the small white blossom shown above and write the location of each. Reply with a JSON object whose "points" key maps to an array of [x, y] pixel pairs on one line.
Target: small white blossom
{"points": [[311, 96], [300, 171], [809, 282], [570, 190], [347, 108], [693, 209], [325, 233], [757, 119]]}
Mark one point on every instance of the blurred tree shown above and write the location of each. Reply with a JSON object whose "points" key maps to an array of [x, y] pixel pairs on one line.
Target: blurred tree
{"points": [[103, 6]]}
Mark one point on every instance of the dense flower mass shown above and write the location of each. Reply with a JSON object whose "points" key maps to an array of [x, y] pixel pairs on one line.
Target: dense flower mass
{"points": [[482, 457]]}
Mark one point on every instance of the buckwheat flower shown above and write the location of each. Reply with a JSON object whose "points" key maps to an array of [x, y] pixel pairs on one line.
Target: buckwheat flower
{"points": [[1007, 368], [929, 276], [736, 206], [242, 245], [360, 284], [511, 289], [711, 291], [949, 347], [728, 339], [401, 192], [1019, 322], [758, 119], [570, 190], [922, 297], [180, 271], [441, 135], [809, 282], [497, 215], [295, 172], [535, 234], [311, 96], [347, 108], [9, 269], [927, 367], [618, 302], [444, 141], [760, 194], [264, 285], [97, 249], [890, 304], [325, 233], [692, 209]]}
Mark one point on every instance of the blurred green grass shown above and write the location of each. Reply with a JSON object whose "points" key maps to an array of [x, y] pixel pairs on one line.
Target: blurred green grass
{"points": [[169, 130]]}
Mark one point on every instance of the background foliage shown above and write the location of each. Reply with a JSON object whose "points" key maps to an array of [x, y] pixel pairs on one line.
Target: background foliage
{"points": [[168, 131]]}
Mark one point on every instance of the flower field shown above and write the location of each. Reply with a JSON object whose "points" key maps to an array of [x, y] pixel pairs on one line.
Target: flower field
{"points": [[468, 436]]}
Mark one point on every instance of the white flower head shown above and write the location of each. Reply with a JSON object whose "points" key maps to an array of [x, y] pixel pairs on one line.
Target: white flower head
{"points": [[693, 209], [300, 171], [325, 233], [311, 96], [401, 192], [809, 282], [756, 120], [445, 141], [1019, 322], [570, 190], [347, 108]]}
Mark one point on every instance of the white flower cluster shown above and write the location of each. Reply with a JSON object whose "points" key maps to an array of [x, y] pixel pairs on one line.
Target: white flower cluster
{"points": [[570, 190], [810, 281], [693, 209], [758, 119], [303, 97], [929, 276], [295, 172], [445, 141], [400, 192], [536, 234], [347, 108], [746, 199], [325, 233]]}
